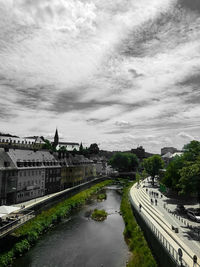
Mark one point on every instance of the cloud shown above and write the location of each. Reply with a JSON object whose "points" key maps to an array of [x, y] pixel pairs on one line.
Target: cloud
{"points": [[185, 136], [101, 70]]}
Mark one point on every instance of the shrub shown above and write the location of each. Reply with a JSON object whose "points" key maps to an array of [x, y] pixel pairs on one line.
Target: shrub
{"points": [[99, 215]]}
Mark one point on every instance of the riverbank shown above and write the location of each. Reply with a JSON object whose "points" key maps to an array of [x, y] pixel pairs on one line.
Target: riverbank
{"points": [[141, 253], [27, 235]]}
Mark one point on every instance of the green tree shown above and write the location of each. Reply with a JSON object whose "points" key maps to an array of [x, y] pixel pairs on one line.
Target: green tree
{"points": [[48, 145], [124, 161], [93, 149], [152, 165], [190, 179], [172, 174], [192, 150], [81, 148], [138, 177]]}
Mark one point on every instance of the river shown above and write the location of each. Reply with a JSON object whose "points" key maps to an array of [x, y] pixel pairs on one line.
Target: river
{"points": [[82, 242]]}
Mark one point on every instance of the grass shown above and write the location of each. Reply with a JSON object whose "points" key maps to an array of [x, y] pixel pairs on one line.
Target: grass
{"points": [[101, 197], [99, 215], [28, 234], [141, 253]]}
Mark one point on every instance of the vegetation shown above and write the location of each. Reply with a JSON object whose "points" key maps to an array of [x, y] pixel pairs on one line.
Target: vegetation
{"points": [[29, 233], [152, 166], [183, 172], [141, 254], [48, 145], [99, 215], [93, 149], [124, 162], [101, 197]]}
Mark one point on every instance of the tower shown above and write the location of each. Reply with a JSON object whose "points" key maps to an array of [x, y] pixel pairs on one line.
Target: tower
{"points": [[56, 139]]}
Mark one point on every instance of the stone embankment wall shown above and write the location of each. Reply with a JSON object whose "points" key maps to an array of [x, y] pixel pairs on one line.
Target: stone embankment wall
{"points": [[160, 253]]}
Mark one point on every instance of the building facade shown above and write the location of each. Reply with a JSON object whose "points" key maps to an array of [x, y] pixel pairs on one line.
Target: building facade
{"points": [[34, 142], [76, 170], [27, 174]]}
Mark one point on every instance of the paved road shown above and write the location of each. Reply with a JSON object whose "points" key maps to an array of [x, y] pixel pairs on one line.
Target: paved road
{"points": [[162, 218], [189, 236]]}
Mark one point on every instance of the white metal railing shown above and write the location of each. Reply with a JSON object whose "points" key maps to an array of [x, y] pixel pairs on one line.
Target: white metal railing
{"points": [[171, 250]]}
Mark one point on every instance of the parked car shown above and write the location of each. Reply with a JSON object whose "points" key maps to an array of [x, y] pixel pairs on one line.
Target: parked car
{"points": [[180, 209], [194, 215]]}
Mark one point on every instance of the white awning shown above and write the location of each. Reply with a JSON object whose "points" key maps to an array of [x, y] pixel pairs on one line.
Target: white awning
{"points": [[8, 209]]}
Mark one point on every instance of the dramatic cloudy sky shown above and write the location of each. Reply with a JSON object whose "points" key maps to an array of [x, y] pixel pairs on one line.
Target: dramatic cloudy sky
{"points": [[120, 73]]}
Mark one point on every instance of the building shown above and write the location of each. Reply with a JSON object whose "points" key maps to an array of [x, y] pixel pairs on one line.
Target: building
{"points": [[165, 150], [27, 174], [169, 157], [75, 169], [69, 146], [141, 153], [33, 142]]}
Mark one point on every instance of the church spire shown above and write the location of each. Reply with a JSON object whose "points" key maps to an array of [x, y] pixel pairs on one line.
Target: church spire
{"points": [[56, 139]]}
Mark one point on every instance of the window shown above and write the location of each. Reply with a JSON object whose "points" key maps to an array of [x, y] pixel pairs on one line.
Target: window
{"points": [[6, 163]]}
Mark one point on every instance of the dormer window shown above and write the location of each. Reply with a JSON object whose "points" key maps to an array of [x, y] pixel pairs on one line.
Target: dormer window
{"points": [[6, 163]]}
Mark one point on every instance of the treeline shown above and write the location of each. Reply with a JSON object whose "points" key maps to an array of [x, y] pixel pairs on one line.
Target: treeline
{"points": [[28, 234], [183, 172], [141, 254]]}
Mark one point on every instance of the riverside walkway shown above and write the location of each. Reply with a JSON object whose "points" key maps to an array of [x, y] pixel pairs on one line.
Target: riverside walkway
{"points": [[172, 231], [26, 211]]}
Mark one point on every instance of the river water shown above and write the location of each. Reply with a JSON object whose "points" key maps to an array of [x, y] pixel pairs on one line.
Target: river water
{"points": [[82, 242]]}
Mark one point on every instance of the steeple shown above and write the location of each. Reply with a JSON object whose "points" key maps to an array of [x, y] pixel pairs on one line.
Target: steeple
{"points": [[56, 139]]}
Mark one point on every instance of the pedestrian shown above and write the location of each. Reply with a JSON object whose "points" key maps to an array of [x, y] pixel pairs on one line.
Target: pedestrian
{"points": [[146, 190], [160, 195], [156, 202], [151, 201], [140, 207]]}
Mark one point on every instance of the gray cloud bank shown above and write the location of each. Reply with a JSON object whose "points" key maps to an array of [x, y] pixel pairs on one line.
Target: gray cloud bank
{"points": [[122, 73]]}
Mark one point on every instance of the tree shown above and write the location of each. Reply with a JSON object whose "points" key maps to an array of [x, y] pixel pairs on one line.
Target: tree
{"points": [[152, 165], [138, 177], [172, 174], [192, 150], [81, 148], [124, 161], [48, 145], [190, 179], [94, 149]]}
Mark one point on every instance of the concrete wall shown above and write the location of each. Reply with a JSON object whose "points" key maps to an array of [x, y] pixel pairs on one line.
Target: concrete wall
{"points": [[158, 250]]}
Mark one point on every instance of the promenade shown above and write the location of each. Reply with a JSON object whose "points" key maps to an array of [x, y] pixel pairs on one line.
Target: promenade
{"points": [[173, 231], [26, 211]]}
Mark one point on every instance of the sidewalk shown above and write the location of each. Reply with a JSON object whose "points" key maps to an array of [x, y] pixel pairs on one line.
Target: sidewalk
{"points": [[162, 219], [33, 202]]}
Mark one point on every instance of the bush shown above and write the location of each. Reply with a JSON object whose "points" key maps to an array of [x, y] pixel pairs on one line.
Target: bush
{"points": [[99, 215], [101, 197]]}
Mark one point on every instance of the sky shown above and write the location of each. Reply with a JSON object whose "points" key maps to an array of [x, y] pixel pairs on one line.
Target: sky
{"points": [[121, 73]]}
